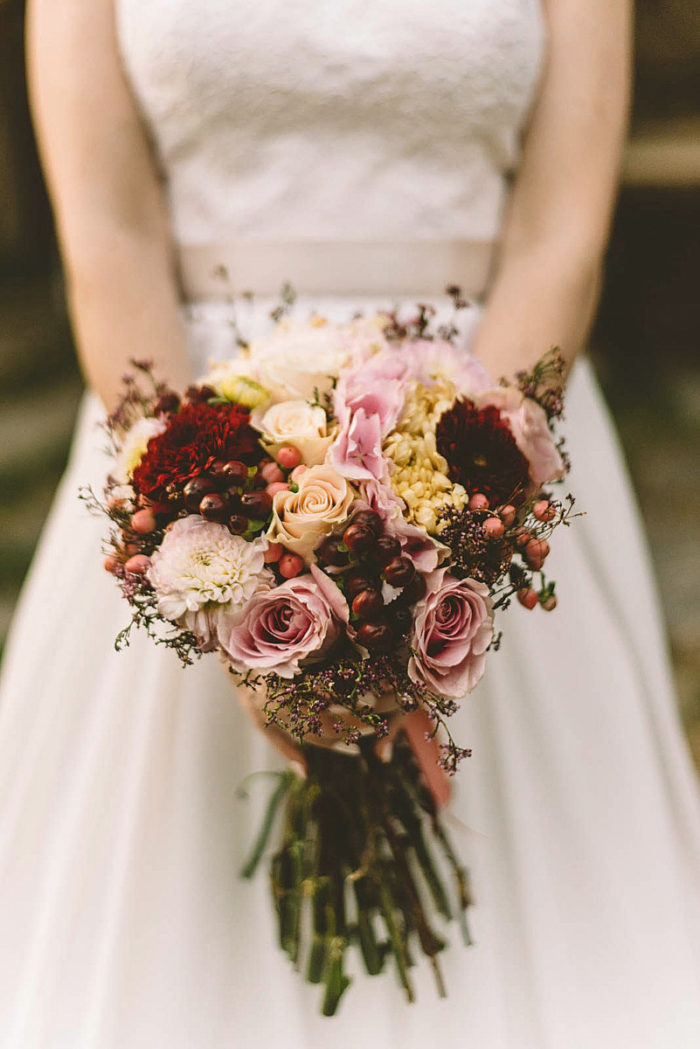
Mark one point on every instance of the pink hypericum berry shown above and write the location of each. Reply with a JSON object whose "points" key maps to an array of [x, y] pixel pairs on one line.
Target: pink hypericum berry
{"points": [[288, 456], [523, 537], [273, 553], [131, 548], [277, 486], [537, 549], [543, 510], [507, 514], [138, 564], [549, 603], [143, 521], [527, 598], [271, 473], [111, 563], [494, 528], [478, 502], [290, 565]]}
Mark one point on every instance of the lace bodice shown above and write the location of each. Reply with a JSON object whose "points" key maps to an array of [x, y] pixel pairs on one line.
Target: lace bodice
{"points": [[334, 119]]}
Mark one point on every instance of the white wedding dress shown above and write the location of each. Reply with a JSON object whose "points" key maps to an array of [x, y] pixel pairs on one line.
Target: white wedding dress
{"points": [[123, 922]]}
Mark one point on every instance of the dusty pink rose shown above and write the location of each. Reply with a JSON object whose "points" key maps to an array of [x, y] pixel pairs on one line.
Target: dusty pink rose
{"points": [[452, 629], [282, 626], [367, 402], [528, 424]]}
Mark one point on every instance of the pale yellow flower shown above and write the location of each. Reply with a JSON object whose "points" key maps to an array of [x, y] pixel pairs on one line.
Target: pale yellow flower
{"points": [[235, 380], [420, 473]]}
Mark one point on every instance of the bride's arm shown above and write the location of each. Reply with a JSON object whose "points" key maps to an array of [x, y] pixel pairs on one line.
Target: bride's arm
{"points": [[549, 273], [108, 202]]}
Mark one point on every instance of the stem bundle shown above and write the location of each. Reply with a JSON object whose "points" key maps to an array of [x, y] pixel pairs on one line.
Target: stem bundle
{"points": [[356, 868]]}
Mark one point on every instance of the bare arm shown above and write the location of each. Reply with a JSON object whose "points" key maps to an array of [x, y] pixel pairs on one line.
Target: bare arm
{"points": [[549, 273], [110, 211]]}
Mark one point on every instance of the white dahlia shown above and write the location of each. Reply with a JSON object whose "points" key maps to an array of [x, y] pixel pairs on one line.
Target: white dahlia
{"points": [[203, 575]]}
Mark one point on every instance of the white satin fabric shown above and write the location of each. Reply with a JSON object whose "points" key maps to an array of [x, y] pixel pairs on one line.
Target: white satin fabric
{"points": [[123, 922]]}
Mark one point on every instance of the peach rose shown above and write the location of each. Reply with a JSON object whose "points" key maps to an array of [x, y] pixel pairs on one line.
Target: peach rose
{"points": [[302, 519]]}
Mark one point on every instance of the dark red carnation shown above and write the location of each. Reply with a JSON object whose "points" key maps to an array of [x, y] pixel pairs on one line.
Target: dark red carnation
{"points": [[481, 452], [196, 436]]}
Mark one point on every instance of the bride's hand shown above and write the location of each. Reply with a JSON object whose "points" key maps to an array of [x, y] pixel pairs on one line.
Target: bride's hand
{"points": [[253, 702]]}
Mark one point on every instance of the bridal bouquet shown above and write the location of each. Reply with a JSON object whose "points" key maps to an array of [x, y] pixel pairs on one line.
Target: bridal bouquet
{"points": [[338, 512]]}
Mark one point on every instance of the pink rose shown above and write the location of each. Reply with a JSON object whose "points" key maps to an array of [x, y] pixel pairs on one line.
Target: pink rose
{"points": [[367, 402], [298, 620], [534, 438], [433, 357], [529, 426], [452, 629]]}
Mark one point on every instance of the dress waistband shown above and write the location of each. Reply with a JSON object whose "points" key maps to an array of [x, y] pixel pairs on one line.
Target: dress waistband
{"points": [[335, 267]]}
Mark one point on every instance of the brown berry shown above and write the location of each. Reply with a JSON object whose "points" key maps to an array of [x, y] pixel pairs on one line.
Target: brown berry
{"points": [[376, 635], [214, 507], [256, 504], [218, 474], [401, 616], [359, 579], [195, 489], [386, 549], [238, 524], [236, 472], [329, 553], [368, 604], [415, 590], [399, 571], [370, 520], [358, 538]]}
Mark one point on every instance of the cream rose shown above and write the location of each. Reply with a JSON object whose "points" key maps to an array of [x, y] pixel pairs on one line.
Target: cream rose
{"points": [[301, 519], [298, 423]]}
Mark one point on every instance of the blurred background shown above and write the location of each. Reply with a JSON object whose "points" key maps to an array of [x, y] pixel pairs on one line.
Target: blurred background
{"points": [[645, 344]]}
